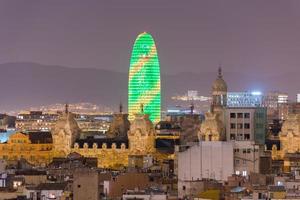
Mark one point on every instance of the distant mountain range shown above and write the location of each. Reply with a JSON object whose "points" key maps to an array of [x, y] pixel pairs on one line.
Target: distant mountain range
{"points": [[30, 84]]}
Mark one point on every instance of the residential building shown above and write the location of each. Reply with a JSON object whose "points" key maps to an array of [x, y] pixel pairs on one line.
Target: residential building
{"points": [[204, 160], [246, 124]]}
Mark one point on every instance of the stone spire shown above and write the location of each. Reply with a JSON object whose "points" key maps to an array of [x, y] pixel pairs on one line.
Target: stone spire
{"points": [[192, 108], [121, 108], [220, 72], [67, 108], [65, 132]]}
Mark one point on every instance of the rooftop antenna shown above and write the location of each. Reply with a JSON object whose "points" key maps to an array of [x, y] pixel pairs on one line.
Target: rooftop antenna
{"points": [[67, 108]]}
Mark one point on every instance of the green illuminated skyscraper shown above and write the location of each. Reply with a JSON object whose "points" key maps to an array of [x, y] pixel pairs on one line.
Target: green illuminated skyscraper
{"points": [[144, 79]]}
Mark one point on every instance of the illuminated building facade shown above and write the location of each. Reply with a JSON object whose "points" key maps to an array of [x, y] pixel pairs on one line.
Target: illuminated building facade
{"points": [[45, 121], [244, 99], [144, 88], [34, 147], [39, 148], [36, 121], [289, 143]]}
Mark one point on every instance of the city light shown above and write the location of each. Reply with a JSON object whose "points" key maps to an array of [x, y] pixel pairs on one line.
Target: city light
{"points": [[256, 93]]}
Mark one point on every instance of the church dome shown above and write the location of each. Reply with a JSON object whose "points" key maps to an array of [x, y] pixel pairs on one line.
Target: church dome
{"points": [[219, 85]]}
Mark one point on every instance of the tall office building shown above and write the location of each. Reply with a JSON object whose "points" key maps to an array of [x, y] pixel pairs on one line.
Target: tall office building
{"points": [[144, 88]]}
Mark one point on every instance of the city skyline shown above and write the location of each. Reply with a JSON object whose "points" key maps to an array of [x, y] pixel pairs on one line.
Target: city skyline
{"points": [[256, 44], [146, 100]]}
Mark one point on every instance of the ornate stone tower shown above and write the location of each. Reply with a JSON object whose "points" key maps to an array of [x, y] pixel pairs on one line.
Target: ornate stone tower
{"points": [[119, 126], [219, 92], [141, 135], [290, 134], [212, 128], [65, 133]]}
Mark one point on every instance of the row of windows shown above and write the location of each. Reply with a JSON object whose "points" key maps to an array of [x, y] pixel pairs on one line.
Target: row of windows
{"points": [[244, 173], [240, 115], [237, 161], [249, 150], [18, 141], [239, 136], [240, 125]]}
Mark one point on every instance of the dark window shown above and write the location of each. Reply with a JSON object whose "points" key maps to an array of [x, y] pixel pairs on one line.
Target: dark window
{"points": [[240, 115], [183, 187], [246, 115], [78, 186], [232, 125], [244, 150], [232, 115], [247, 136], [248, 150], [239, 125], [246, 125], [232, 136], [239, 136]]}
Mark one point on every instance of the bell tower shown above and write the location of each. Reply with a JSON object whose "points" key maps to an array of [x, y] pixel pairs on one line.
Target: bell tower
{"points": [[219, 92]]}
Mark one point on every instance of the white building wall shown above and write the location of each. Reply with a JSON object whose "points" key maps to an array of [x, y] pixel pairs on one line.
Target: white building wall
{"points": [[51, 194], [106, 187], [246, 157], [145, 196], [206, 159]]}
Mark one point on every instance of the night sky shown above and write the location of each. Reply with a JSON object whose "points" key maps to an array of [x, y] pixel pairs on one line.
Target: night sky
{"points": [[252, 36]]}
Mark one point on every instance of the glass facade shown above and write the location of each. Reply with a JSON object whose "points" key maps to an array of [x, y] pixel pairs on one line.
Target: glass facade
{"points": [[260, 127], [144, 87]]}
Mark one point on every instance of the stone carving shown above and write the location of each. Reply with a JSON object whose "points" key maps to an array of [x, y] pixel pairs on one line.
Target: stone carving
{"points": [[212, 128], [141, 135], [119, 126], [64, 134], [290, 134]]}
